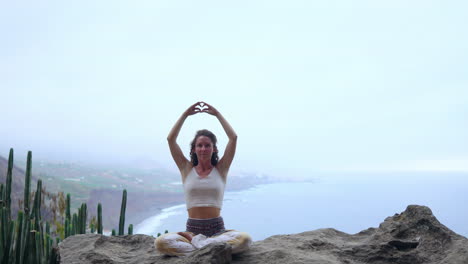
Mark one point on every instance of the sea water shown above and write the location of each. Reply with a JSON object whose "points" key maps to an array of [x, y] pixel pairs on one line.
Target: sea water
{"points": [[349, 204]]}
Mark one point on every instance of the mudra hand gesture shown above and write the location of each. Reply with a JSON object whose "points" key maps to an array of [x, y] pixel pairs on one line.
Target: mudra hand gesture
{"points": [[201, 107]]}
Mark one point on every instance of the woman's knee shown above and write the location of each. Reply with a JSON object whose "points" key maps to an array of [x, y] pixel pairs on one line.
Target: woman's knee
{"points": [[241, 242], [173, 244]]}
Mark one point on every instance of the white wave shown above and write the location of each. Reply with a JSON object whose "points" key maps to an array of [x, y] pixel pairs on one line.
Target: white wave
{"points": [[150, 225]]}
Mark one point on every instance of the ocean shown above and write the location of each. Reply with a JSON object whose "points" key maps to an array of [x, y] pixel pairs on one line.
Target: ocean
{"points": [[348, 203]]}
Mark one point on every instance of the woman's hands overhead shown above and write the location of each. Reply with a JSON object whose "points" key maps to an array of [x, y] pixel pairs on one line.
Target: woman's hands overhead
{"points": [[193, 109], [207, 108], [201, 107]]}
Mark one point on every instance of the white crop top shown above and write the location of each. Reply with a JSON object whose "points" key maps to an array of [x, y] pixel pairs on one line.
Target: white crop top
{"points": [[204, 192]]}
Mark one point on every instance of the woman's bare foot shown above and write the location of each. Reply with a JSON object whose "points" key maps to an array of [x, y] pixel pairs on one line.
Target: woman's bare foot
{"points": [[187, 235]]}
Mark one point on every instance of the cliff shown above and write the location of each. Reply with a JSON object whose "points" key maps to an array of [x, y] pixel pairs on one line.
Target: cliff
{"points": [[414, 236]]}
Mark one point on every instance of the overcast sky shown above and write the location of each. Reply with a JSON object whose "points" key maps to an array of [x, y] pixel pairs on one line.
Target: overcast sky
{"points": [[307, 85]]}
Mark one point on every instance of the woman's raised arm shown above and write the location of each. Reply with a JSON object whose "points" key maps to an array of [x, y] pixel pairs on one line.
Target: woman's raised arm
{"points": [[225, 162], [177, 154]]}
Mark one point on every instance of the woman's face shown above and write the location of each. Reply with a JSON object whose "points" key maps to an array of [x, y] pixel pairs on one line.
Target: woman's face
{"points": [[204, 148]]}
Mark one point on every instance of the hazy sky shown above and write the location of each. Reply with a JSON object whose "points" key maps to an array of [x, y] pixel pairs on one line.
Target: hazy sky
{"points": [[307, 85]]}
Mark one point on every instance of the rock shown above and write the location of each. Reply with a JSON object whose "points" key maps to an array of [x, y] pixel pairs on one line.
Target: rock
{"points": [[412, 237], [94, 248], [216, 253]]}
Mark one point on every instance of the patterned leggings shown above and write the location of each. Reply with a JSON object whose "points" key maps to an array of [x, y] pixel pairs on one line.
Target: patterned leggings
{"points": [[204, 232]]}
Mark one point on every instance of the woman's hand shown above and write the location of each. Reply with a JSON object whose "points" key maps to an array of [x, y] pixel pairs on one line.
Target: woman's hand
{"points": [[193, 109], [207, 108]]}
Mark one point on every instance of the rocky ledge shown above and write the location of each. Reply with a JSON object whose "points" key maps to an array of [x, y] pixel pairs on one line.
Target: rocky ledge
{"points": [[411, 237]]}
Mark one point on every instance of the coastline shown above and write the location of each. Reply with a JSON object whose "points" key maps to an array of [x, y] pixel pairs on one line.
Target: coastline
{"points": [[327, 202], [234, 185], [175, 209]]}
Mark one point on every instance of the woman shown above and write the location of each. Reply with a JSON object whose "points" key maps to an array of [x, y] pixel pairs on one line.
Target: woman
{"points": [[204, 178]]}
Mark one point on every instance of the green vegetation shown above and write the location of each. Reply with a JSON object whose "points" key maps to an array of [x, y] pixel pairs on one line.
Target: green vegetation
{"points": [[29, 238], [122, 213], [99, 228]]}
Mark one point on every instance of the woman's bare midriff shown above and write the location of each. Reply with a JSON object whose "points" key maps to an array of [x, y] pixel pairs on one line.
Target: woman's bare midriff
{"points": [[204, 212]]}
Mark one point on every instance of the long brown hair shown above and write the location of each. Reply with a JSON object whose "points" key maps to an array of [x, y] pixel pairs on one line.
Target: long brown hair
{"points": [[193, 155]]}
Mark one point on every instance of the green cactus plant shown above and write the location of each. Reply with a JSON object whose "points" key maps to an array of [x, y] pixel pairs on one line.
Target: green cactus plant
{"points": [[36, 211], [27, 184], [84, 217], [99, 227], [19, 231], [122, 213], [68, 208], [8, 184], [67, 229], [75, 224], [28, 239], [2, 198], [38, 247], [25, 239]]}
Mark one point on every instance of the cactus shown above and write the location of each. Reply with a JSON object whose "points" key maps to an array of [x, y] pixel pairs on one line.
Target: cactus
{"points": [[67, 228], [11, 247], [25, 239], [68, 208], [84, 215], [81, 219], [78, 222], [48, 245], [53, 256], [36, 211], [8, 184], [29, 240], [3, 244], [19, 230], [122, 213], [27, 184], [38, 245], [48, 228], [74, 224], [7, 237], [99, 227], [2, 198]]}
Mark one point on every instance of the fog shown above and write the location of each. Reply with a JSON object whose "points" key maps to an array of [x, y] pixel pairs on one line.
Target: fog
{"points": [[335, 86]]}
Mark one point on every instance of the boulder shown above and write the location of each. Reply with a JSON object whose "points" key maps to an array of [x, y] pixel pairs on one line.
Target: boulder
{"points": [[412, 237]]}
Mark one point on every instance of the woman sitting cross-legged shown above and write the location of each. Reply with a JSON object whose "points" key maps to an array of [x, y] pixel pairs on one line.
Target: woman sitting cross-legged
{"points": [[204, 179]]}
